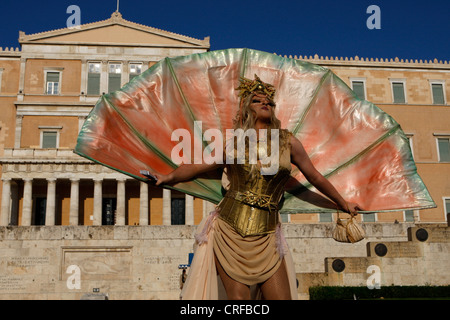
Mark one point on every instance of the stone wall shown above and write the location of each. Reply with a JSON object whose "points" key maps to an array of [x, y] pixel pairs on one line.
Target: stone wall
{"points": [[122, 262], [142, 262], [392, 254]]}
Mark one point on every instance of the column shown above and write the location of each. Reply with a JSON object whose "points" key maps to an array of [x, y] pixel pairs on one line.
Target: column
{"points": [[6, 202], [189, 210], [51, 202], [98, 201], [143, 205], [120, 210], [167, 207], [74, 201], [27, 201]]}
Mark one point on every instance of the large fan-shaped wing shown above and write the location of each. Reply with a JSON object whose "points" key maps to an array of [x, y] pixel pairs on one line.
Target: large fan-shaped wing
{"points": [[357, 146]]}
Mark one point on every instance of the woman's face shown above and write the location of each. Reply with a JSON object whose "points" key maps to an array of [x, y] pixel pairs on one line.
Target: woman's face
{"points": [[262, 106]]}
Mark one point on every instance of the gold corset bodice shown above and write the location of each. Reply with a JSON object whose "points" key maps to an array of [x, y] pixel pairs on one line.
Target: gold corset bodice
{"points": [[250, 206]]}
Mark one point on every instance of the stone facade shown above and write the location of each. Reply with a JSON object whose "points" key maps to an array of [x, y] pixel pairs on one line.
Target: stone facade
{"points": [[142, 262]]}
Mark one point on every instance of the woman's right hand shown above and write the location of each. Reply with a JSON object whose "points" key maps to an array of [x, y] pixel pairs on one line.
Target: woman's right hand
{"points": [[162, 179], [183, 173]]}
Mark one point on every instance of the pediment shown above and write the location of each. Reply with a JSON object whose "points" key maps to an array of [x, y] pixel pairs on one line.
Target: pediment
{"points": [[115, 30]]}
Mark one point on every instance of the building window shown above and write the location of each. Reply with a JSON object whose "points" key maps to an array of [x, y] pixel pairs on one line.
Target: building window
{"points": [[437, 92], [326, 217], [447, 207], [359, 87], [52, 82], [409, 215], [443, 149], [49, 139], [49, 136], [94, 71], [369, 217], [114, 77], [135, 70], [398, 91]]}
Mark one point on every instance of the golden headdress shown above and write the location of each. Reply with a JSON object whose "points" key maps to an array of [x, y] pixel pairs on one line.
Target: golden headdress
{"points": [[248, 86]]}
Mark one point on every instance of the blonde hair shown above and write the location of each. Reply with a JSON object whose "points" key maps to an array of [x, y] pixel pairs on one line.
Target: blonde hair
{"points": [[245, 119]]}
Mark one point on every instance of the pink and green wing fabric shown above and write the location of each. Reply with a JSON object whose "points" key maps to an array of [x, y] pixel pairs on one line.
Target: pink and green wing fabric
{"points": [[361, 150]]}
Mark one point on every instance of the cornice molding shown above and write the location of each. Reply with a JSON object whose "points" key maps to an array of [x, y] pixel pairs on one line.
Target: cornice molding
{"points": [[115, 19], [374, 62]]}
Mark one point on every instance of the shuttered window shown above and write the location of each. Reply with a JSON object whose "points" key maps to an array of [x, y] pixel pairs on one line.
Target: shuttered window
{"points": [[358, 88], [325, 217], [444, 149], [115, 77], [438, 93], [398, 90], [369, 217], [49, 139], [93, 87], [409, 215]]}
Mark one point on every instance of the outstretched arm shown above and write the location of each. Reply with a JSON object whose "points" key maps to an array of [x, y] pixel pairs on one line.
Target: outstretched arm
{"points": [[300, 158], [185, 172]]}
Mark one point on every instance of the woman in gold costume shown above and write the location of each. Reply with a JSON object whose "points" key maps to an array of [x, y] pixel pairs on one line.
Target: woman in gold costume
{"points": [[242, 240]]}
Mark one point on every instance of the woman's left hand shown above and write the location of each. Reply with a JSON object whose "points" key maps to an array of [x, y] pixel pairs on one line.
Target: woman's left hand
{"points": [[353, 208]]}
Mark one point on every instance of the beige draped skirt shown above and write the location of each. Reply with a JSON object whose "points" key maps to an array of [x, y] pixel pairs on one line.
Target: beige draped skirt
{"points": [[249, 260]]}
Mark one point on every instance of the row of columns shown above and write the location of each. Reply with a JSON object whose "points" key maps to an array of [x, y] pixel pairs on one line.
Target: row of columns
{"points": [[97, 210]]}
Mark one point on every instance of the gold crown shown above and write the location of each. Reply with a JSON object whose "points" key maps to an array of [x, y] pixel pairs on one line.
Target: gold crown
{"points": [[248, 86]]}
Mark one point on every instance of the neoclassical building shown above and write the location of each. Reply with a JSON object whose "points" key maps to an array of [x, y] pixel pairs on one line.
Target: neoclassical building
{"points": [[49, 86], [47, 90]]}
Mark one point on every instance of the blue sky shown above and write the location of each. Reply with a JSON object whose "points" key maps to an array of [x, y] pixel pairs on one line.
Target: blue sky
{"points": [[409, 29]]}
